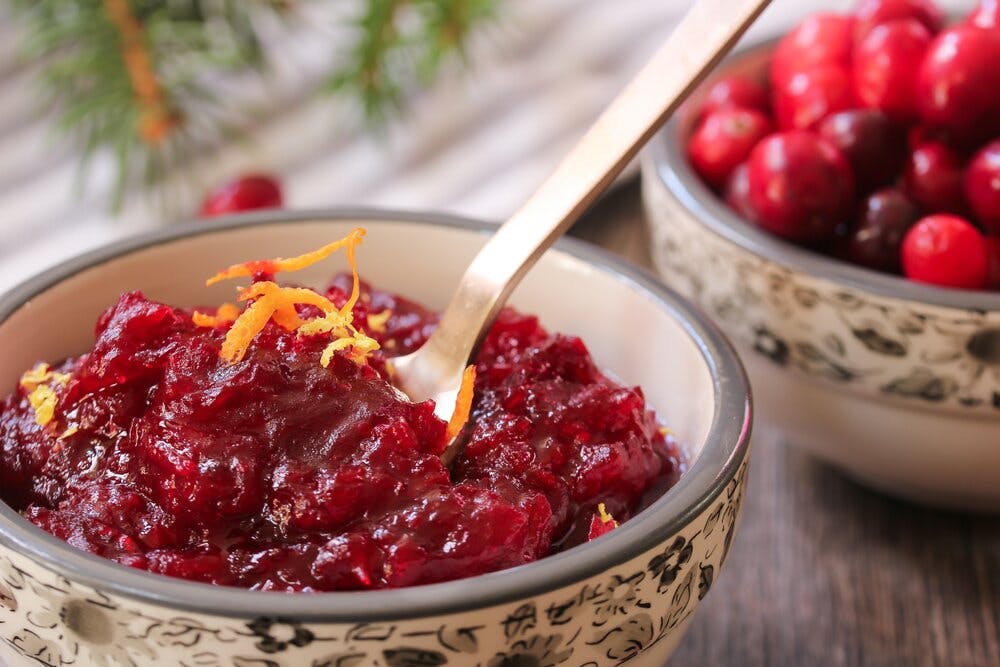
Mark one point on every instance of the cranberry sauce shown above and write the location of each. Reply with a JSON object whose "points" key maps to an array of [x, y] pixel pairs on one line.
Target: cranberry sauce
{"points": [[276, 473]]}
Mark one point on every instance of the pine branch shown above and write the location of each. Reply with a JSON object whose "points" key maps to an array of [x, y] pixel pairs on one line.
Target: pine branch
{"points": [[404, 42], [129, 76]]}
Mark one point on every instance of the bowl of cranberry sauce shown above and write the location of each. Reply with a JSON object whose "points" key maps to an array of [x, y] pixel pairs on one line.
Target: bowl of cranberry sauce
{"points": [[830, 198], [227, 471]]}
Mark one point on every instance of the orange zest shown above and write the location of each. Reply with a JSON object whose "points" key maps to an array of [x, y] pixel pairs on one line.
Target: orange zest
{"points": [[274, 302], [463, 403], [377, 321], [351, 241], [602, 512], [224, 314], [38, 383]]}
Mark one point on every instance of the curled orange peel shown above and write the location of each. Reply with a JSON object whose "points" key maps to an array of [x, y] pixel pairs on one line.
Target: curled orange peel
{"points": [[224, 314], [463, 403], [351, 241], [602, 512], [42, 397]]}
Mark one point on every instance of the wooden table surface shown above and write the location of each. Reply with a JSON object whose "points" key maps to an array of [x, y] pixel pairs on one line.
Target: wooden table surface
{"points": [[823, 571]]}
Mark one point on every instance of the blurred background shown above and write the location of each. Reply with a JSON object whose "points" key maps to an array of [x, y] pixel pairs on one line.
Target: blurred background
{"points": [[490, 93]]}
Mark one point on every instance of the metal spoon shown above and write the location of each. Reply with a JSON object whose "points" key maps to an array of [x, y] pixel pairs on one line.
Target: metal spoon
{"points": [[705, 34]]}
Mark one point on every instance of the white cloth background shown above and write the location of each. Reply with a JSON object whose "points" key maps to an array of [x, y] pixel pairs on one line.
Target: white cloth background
{"points": [[476, 143]]}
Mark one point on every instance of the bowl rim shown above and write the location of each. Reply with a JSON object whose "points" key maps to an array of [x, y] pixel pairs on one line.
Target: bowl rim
{"points": [[671, 167], [725, 448]]}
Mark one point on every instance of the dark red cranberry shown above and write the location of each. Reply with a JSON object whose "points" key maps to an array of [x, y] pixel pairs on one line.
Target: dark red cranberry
{"points": [[735, 92], [821, 39], [738, 192], [872, 13], [723, 140], [933, 178], [249, 192], [886, 216], [946, 250], [985, 15], [993, 252], [801, 186], [811, 95], [982, 186], [873, 145], [885, 75], [959, 80]]}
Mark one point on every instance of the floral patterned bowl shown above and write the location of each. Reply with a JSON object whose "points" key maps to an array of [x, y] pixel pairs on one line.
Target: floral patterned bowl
{"points": [[895, 382], [625, 597]]}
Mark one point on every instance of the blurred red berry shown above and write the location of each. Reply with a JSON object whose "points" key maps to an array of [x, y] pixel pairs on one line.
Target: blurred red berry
{"points": [[735, 92], [985, 15], [821, 39], [885, 72], [873, 145], [886, 216], [723, 140], [801, 187], [982, 186], [738, 192], [993, 252], [872, 13], [946, 250], [246, 193], [933, 178], [958, 83], [811, 95]]}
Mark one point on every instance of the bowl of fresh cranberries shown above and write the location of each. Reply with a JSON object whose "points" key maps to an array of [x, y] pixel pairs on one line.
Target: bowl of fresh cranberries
{"points": [[223, 473], [832, 198]]}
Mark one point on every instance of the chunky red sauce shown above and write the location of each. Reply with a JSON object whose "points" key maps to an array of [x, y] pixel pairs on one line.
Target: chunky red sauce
{"points": [[276, 473]]}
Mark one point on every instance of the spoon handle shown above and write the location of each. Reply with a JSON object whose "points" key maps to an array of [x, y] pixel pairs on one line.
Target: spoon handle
{"points": [[703, 37]]}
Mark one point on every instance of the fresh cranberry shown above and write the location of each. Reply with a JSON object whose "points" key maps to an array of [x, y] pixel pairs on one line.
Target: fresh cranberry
{"points": [[985, 15], [723, 140], [886, 216], [993, 251], [735, 92], [872, 13], [946, 250], [821, 39], [982, 186], [873, 145], [884, 74], [248, 192], [738, 192], [933, 178], [959, 80], [801, 186], [811, 95]]}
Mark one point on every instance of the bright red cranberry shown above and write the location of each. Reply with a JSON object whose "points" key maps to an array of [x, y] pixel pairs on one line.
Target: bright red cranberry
{"points": [[801, 186], [982, 186], [959, 80], [885, 77], [723, 140], [993, 251], [872, 13], [249, 192], [738, 192], [873, 145], [985, 15], [821, 39], [946, 250], [735, 92], [933, 178], [811, 95], [886, 216]]}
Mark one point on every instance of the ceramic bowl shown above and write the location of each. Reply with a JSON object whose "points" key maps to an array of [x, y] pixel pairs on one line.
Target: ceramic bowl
{"points": [[626, 596], [895, 382]]}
